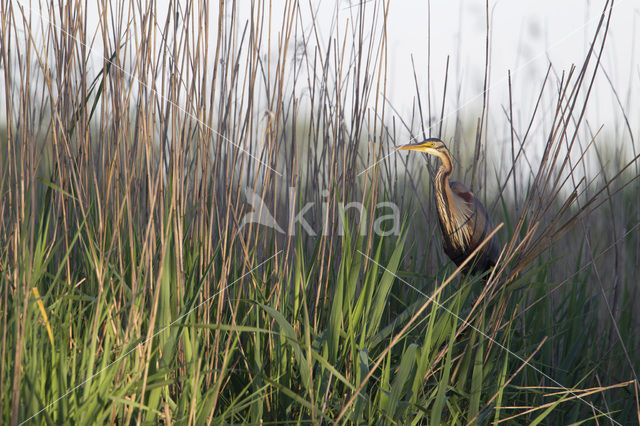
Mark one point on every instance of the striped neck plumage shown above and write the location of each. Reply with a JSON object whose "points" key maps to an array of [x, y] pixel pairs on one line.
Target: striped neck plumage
{"points": [[443, 190]]}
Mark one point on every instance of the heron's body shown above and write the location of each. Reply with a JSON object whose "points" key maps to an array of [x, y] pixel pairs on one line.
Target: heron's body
{"points": [[464, 222]]}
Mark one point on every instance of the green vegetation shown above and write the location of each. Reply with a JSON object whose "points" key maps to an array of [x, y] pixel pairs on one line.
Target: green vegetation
{"points": [[130, 292]]}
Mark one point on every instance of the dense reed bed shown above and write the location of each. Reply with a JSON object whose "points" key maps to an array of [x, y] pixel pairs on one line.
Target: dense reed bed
{"points": [[208, 225]]}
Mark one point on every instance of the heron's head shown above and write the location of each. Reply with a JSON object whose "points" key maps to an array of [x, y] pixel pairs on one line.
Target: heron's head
{"points": [[431, 146]]}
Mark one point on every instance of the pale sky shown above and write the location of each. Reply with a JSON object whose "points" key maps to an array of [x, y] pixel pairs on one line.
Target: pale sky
{"points": [[526, 36]]}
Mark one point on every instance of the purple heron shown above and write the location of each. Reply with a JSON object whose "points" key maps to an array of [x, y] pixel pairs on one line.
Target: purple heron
{"points": [[464, 222]]}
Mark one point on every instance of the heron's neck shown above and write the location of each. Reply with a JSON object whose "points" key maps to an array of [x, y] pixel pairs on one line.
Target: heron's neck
{"points": [[443, 190]]}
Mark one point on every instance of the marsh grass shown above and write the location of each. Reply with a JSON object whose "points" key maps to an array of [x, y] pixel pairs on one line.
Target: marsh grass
{"points": [[129, 293]]}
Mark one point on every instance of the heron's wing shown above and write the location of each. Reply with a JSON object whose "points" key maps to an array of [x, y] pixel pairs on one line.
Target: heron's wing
{"points": [[462, 222], [461, 191], [476, 220]]}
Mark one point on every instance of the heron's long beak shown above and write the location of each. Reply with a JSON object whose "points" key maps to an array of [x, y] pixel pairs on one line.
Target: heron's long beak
{"points": [[420, 146]]}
